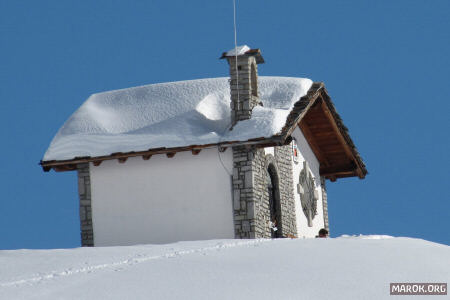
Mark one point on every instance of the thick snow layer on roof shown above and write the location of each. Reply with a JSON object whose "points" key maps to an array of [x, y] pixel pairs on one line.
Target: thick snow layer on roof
{"points": [[175, 114], [313, 269]]}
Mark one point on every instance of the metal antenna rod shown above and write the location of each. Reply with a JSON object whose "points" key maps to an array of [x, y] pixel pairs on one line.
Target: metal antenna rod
{"points": [[235, 49]]}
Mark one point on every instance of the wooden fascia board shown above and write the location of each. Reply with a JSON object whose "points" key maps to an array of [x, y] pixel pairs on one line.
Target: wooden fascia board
{"points": [[64, 168]]}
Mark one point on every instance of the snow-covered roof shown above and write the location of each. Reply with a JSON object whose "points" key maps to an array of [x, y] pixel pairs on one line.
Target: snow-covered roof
{"points": [[244, 50], [175, 114], [239, 50]]}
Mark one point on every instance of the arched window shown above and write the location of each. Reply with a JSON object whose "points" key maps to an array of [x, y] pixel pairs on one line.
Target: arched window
{"points": [[254, 80], [274, 201]]}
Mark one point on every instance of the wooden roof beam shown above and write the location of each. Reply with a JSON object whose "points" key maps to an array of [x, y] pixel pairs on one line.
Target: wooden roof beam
{"points": [[196, 151], [122, 159], [312, 143], [70, 167], [304, 110], [337, 172]]}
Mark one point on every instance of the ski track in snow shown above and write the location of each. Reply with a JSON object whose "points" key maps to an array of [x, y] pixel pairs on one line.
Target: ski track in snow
{"points": [[126, 263]]}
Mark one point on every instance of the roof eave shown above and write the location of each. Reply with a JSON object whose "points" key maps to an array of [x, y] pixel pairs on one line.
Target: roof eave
{"points": [[317, 92], [71, 164]]}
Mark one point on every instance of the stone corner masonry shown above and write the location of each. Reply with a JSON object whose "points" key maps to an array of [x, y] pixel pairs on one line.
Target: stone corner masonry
{"points": [[324, 203], [84, 192], [251, 203], [250, 194]]}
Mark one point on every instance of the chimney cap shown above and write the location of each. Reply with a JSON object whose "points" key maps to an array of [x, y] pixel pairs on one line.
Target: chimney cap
{"points": [[244, 51]]}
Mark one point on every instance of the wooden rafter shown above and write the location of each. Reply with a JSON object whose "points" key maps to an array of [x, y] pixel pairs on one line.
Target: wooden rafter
{"points": [[196, 151], [312, 143], [122, 159], [302, 114]]}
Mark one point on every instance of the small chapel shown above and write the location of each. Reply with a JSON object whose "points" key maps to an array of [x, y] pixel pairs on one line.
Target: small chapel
{"points": [[243, 157]]}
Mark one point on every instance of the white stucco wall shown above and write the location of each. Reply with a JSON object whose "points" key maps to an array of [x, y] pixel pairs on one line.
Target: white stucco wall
{"points": [[303, 230], [162, 200]]}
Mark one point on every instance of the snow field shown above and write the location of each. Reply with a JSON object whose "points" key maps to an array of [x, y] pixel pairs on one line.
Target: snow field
{"points": [[342, 268]]}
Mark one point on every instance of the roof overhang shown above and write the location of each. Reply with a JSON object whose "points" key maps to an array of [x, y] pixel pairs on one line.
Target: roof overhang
{"points": [[71, 164], [326, 134], [314, 114]]}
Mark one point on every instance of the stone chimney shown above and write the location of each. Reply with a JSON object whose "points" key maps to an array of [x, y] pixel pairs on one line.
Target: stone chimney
{"points": [[243, 81]]}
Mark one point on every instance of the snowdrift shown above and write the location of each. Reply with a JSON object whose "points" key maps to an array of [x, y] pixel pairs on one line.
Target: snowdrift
{"points": [[342, 268]]}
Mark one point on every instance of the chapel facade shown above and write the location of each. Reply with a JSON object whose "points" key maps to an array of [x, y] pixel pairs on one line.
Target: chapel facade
{"points": [[261, 187]]}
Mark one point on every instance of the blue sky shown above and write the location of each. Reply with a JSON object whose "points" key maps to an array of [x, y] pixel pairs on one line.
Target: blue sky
{"points": [[385, 64]]}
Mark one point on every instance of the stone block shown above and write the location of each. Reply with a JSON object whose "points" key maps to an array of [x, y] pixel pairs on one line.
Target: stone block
{"points": [[85, 202], [246, 168], [250, 155], [248, 179], [236, 199], [245, 226], [82, 214], [241, 158], [81, 188], [250, 209], [235, 173], [86, 227], [238, 182]]}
